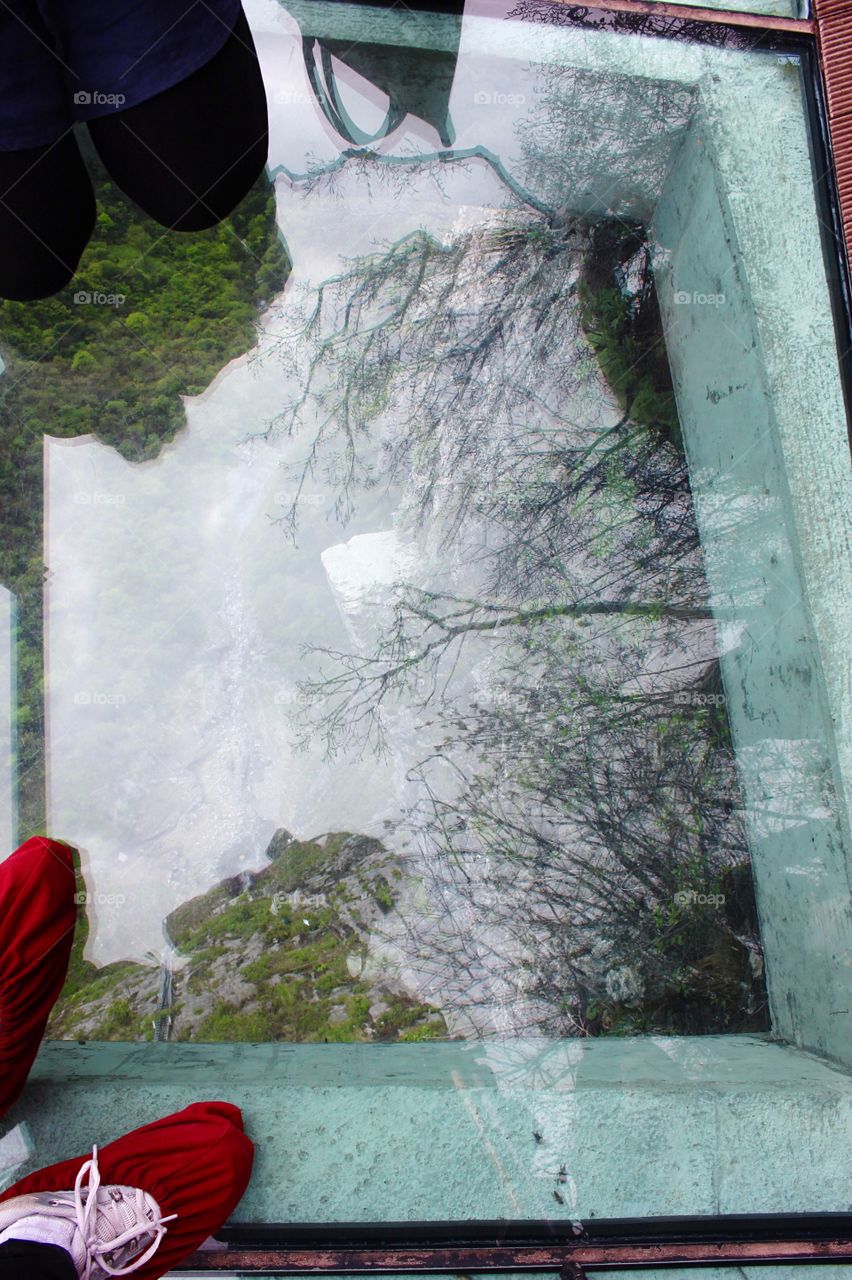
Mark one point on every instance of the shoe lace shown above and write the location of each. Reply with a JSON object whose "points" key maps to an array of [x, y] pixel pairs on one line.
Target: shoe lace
{"points": [[87, 1215]]}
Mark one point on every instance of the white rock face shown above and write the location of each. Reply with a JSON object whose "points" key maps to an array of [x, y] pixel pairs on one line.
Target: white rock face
{"points": [[362, 574]]}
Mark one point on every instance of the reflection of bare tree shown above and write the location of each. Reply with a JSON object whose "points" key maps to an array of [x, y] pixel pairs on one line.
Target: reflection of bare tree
{"points": [[427, 626], [409, 328], [603, 807], [592, 782], [617, 134], [477, 344]]}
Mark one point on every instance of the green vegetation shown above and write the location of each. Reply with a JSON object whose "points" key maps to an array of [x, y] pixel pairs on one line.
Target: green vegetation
{"points": [[190, 304], [625, 329], [406, 1022], [697, 973], [261, 968], [123, 1023], [383, 894], [305, 984]]}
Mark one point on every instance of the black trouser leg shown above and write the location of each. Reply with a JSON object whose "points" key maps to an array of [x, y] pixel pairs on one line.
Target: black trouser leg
{"points": [[20, 1260], [47, 214], [189, 155]]}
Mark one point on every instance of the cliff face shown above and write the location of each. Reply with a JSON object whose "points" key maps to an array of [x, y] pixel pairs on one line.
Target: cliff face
{"points": [[280, 954]]}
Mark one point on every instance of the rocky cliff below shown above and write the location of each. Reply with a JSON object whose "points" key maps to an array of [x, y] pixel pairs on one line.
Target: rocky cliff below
{"points": [[284, 953]]}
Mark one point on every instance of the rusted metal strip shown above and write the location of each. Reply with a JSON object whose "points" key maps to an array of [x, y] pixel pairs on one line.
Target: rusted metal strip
{"points": [[554, 1258], [564, 1246]]}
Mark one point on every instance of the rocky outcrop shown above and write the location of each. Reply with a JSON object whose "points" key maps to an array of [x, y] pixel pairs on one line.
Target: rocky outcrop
{"points": [[284, 953], [279, 844]]}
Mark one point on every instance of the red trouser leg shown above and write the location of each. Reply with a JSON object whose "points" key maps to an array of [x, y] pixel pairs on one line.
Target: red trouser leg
{"points": [[195, 1163], [37, 919]]}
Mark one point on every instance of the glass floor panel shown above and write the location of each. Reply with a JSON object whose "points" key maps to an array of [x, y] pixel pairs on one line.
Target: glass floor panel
{"points": [[425, 607], [450, 657]]}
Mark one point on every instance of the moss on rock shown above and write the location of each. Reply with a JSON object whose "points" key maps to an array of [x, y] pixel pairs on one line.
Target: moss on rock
{"points": [[276, 955]]}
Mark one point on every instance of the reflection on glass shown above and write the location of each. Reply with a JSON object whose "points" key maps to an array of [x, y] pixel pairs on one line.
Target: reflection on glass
{"points": [[403, 692], [367, 89]]}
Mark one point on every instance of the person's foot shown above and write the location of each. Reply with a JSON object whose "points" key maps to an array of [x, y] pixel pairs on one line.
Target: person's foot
{"points": [[38, 913], [108, 1231], [188, 1170]]}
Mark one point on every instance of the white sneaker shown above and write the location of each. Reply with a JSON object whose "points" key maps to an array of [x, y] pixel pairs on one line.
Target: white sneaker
{"points": [[103, 1228]]}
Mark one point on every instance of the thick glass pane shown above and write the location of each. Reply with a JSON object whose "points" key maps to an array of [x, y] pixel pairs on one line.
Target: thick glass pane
{"points": [[418, 674], [431, 601]]}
